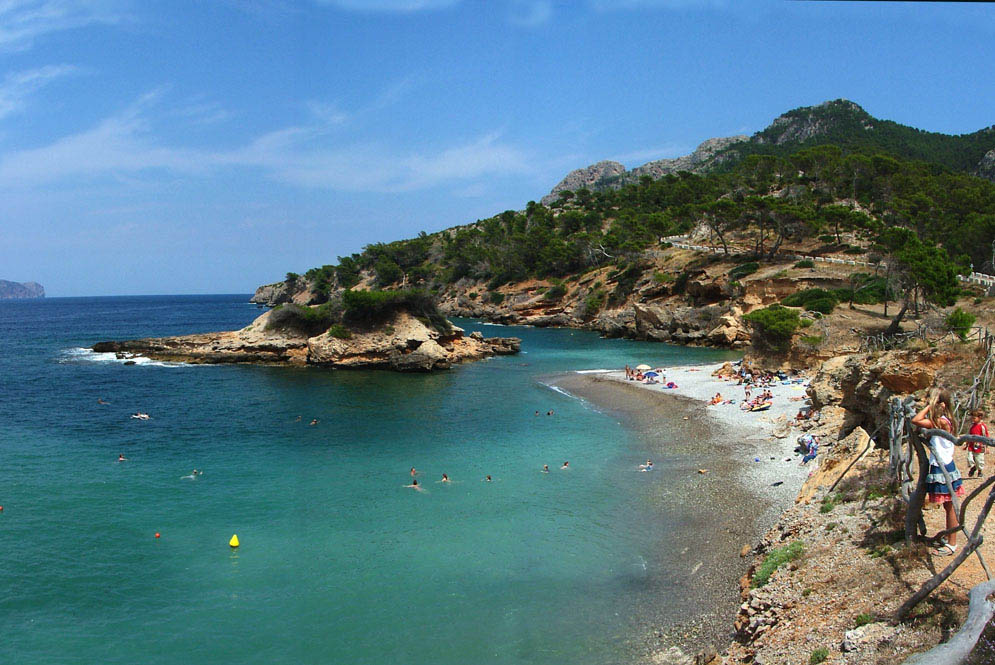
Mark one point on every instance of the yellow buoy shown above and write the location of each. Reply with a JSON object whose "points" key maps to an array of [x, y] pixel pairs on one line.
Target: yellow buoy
{"points": [[234, 540]]}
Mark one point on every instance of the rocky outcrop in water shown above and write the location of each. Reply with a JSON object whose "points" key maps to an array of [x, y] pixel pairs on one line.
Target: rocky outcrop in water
{"points": [[403, 344], [12, 290]]}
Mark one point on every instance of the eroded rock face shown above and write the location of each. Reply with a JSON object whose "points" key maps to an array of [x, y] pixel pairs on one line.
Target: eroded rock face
{"points": [[700, 159], [274, 294], [585, 178], [404, 344], [986, 167]]}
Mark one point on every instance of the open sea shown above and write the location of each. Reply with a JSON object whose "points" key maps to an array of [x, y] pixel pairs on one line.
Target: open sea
{"points": [[339, 562]]}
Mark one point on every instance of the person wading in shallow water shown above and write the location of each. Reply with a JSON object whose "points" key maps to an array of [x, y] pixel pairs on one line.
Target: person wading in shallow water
{"points": [[937, 415]]}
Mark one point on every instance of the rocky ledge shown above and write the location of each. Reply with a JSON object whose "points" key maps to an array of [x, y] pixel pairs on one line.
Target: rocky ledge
{"points": [[402, 344]]}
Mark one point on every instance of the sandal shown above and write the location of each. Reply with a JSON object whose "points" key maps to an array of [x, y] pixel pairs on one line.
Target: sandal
{"points": [[946, 549]]}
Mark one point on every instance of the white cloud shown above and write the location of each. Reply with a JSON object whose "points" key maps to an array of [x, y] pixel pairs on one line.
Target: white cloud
{"points": [[23, 21], [17, 87], [531, 13], [123, 147]]}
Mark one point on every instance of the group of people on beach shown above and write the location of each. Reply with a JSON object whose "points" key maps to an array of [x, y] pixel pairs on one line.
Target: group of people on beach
{"points": [[938, 415]]}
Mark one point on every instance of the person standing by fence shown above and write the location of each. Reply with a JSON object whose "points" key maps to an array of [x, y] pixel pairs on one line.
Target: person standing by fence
{"points": [[976, 450], [937, 414]]}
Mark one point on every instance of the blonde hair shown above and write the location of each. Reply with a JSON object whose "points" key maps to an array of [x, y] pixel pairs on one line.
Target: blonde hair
{"points": [[942, 408]]}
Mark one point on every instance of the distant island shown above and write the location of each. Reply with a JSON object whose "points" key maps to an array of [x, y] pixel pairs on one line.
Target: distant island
{"points": [[11, 290]]}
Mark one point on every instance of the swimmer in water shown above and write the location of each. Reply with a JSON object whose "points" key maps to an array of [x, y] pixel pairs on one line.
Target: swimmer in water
{"points": [[297, 419], [646, 467], [566, 465], [488, 478], [413, 472], [122, 458], [100, 401], [545, 468], [193, 475], [313, 422], [415, 486], [445, 479]]}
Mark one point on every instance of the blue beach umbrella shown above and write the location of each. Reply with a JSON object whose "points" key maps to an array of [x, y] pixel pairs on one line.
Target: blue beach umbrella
{"points": [[651, 374]]}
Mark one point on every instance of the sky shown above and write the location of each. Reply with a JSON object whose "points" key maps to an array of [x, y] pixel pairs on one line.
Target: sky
{"points": [[210, 146]]}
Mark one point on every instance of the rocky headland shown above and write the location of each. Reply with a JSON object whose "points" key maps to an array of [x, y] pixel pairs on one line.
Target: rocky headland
{"points": [[402, 343], [16, 290]]}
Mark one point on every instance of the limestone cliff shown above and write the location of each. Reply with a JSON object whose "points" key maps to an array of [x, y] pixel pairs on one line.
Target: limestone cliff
{"points": [[986, 167], [403, 343]]}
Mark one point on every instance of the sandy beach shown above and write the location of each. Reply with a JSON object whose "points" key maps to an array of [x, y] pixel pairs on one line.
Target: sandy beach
{"points": [[750, 477]]}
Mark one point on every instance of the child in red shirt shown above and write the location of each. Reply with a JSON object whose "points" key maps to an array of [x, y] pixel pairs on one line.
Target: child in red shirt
{"points": [[976, 451]]}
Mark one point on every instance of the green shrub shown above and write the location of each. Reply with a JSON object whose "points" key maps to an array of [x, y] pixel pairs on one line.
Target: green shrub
{"points": [[663, 277], [826, 237], [496, 297], [774, 560], [375, 307], [472, 295], [339, 331], [779, 274], [828, 505], [594, 302], [854, 250], [773, 327], [805, 323], [960, 322], [805, 263], [812, 340], [292, 277], [308, 321], [743, 270], [681, 282], [863, 619], [555, 292], [814, 300], [818, 656], [880, 551], [806, 593]]}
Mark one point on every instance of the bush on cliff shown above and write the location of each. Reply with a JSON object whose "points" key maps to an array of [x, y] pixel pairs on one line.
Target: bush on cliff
{"points": [[960, 322], [308, 321], [376, 307], [773, 327], [815, 300], [741, 271]]}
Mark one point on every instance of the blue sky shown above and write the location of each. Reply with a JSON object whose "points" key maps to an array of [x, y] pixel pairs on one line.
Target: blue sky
{"points": [[212, 146]]}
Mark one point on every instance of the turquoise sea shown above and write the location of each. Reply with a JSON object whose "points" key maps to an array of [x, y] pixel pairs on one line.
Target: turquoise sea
{"points": [[339, 562]]}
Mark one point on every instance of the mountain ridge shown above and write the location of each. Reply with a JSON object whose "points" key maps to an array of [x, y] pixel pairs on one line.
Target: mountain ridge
{"points": [[840, 121]]}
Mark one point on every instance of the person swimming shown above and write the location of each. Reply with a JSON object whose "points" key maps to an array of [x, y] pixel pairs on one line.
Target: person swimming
{"points": [[193, 475], [313, 422], [646, 467], [122, 458], [545, 468], [413, 472], [445, 479], [101, 401], [566, 465], [488, 478], [415, 486]]}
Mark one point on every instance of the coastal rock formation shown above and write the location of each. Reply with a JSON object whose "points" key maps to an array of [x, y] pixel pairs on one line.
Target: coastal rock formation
{"points": [[403, 344], [589, 177], [11, 290], [297, 291], [406, 344]]}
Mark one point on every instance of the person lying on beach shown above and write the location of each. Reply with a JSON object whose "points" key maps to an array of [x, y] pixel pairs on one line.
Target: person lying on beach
{"points": [[717, 399]]}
